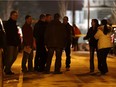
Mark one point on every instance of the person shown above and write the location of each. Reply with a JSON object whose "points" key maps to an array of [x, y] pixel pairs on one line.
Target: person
{"points": [[48, 18], [28, 44], [92, 42], [55, 36], [41, 53], [103, 35], [77, 32], [2, 34], [2, 44], [69, 31], [12, 41]]}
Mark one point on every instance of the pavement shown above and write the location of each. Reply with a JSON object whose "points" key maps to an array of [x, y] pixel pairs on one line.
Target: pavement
{"points": [[78, 75]]}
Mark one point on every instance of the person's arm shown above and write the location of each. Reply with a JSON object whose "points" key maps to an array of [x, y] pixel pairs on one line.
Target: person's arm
{"points": [[87, 35]]}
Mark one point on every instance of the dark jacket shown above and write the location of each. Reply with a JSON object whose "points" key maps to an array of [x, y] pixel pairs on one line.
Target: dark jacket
{"points": [[69, 32], [55, 35], [27, 35], [38, 33], [12, 36], [90, 36]]}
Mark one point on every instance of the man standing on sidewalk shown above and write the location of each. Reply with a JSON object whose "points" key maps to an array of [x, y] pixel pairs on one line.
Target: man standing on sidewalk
{"points": [[13, 41], [69, 32], [55, 36], [28, 44]]}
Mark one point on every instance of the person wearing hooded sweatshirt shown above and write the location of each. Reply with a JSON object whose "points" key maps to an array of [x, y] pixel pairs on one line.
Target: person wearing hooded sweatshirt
{"points": [[103, 35]]}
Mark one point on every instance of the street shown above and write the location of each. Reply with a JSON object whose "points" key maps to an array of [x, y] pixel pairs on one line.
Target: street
{"points": [[78, 75]]}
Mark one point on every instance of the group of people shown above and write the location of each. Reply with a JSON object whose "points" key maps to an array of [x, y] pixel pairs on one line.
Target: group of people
{"points": [[99, 37], [47, 36], [52, 37]]}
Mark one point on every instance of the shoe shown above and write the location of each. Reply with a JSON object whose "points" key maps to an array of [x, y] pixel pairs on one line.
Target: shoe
{"points": [[57, 72], [9, 73], [46, 72], [67, 69], [91, 73]]}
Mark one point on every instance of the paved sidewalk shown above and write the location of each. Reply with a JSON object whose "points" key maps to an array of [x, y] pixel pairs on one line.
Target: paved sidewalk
{"points": [[78, 76]]}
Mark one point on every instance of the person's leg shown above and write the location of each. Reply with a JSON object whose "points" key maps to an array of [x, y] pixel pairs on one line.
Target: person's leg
{"points": [[24, 61], [30, 61], [36, 59], [92, 59], [68, 57], [15, 53], [99, 55], [58, 60], [49, 59], [11, 57], [104, 62], [43, 57]]}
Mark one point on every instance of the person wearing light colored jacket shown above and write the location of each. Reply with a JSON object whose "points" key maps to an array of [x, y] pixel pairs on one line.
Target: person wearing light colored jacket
{"points": [[104, 45]]}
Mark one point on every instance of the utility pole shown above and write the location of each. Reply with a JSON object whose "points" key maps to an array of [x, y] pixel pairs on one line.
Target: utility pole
{"points": [[73, 12], [88, 12]]}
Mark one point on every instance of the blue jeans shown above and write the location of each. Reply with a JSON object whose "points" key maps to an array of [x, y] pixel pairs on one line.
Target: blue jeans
{"points": [[92, 50], [27, 58]]}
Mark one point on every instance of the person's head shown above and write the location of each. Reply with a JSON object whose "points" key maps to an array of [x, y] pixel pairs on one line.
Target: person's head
{"points": [[65, 20], [105, 29], [28, 19], [94, 22], [14, 15], [48, 17], [104, 22], [42, 17], [56, 16]]}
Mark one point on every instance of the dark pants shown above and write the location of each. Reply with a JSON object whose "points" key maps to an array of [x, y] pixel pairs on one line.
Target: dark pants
{"points": [[92, 50], [68, 51], [58, 54], [27, 57], [11, 56], [102, 55], [40, 58]]}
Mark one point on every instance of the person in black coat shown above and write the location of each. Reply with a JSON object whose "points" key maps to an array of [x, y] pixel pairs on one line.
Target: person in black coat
{"points": [[70, 34], [92, 42], [41, 54], [55, 36], [12, 41]]}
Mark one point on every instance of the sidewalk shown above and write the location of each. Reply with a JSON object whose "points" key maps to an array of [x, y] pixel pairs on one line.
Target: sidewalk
{"points": [[78, 76]]}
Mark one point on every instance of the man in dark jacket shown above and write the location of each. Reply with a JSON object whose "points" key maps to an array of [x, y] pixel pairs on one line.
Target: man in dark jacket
{"points": [[69, 32], [40, 57], [55, 36], [13, 41], [28, 44]]}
